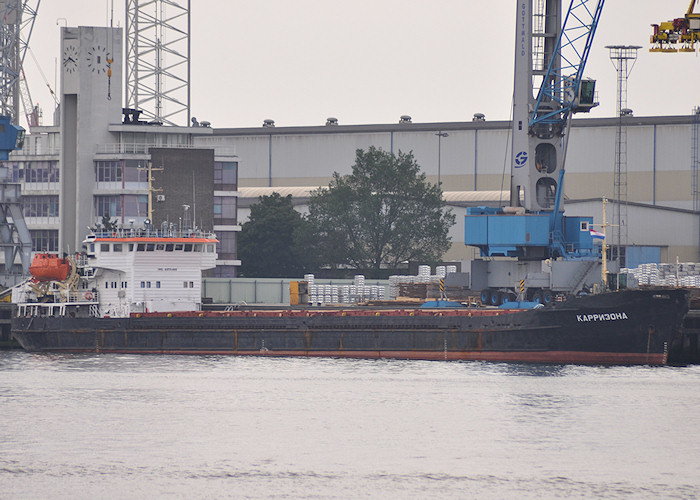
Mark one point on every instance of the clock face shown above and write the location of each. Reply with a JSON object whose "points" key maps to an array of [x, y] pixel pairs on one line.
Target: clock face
{"points": [[70, 58], [97, 59]]}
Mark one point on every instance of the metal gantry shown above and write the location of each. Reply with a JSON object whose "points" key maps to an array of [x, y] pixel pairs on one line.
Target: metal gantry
{"points": [[694, 158], [695, 162], [158, 60], [16, 25], [621, 56]]}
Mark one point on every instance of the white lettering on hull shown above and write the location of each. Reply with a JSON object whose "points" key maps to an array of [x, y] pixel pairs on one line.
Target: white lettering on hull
{"points": [[615, 316]]}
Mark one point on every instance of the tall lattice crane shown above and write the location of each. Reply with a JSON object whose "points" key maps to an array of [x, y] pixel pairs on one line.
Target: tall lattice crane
{"points": [[16, 26], [158, 60]]}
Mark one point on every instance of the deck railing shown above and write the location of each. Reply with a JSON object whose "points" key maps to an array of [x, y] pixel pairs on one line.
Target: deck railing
{"points": [[150, 232]]}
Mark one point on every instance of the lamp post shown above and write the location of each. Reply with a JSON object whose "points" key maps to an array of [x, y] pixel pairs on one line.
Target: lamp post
{"points": [[440, 135]]}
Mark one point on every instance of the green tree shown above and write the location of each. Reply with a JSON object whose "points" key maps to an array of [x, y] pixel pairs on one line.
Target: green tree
{"points": [[274, 241], [382, 214]]}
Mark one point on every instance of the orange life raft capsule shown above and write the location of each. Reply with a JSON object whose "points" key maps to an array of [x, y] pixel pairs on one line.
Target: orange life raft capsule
{"points": [[49, 267]]}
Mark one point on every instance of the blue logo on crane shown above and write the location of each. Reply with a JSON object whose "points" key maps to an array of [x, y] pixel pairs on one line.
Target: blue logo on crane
{"points": [[520, 159]]}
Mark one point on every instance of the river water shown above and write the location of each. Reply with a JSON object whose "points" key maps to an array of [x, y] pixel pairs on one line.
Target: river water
{"points": [[127, 426]]}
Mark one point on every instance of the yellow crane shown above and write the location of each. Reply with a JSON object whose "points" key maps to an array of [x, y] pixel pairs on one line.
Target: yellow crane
{"points": [[683, 32]]}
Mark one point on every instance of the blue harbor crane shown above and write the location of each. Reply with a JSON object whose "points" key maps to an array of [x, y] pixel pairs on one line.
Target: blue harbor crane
{"points": [[549, 252]]}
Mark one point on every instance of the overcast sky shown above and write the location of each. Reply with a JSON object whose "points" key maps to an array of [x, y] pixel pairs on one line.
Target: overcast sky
{"points": [[370, 61]]}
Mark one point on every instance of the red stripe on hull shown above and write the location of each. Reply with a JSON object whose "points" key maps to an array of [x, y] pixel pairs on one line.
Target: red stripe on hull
{"points": [[551, 357], [153, 239]]}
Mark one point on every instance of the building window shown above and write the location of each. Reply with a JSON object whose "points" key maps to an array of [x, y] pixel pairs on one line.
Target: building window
{"points": [[227, 244], [109, 171], [41, 171], [135, 205], [225, 207], [44, 240], [14, 171], [226, 174], [135, 170], [143, 284], [40, 206], [108, 205]]}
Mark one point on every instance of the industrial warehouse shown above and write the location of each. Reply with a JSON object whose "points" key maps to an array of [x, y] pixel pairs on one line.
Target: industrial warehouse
{"points": [[467, 160]]}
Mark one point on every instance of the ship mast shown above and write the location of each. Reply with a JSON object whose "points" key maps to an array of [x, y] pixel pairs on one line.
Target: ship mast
{"points": [[149, 171], [604, 247]]}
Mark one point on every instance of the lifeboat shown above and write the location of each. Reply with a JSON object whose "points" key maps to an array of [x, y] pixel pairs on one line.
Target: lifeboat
{"points": [[49, 267]]}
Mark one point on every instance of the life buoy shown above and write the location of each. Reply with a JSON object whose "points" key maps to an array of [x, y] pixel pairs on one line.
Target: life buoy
{"points": [[88, 295]]}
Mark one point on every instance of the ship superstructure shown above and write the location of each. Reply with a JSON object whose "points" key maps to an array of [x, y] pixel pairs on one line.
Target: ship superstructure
{"points": [[123, 271]]}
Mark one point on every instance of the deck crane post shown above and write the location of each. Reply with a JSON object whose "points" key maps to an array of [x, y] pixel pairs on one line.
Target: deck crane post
{"points": [[550, 253]]}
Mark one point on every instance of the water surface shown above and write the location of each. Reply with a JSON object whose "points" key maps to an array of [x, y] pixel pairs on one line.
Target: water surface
{"points": [[124, 426]]}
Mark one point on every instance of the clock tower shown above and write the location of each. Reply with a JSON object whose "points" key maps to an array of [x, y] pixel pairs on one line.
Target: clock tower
{"points": [[91, 91]]}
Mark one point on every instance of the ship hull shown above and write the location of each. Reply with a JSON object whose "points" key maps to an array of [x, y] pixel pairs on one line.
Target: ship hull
{"points": [[629, 327]]}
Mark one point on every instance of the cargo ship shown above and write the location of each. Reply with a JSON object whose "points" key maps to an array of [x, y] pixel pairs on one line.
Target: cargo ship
{"points": [[139, 291]]}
